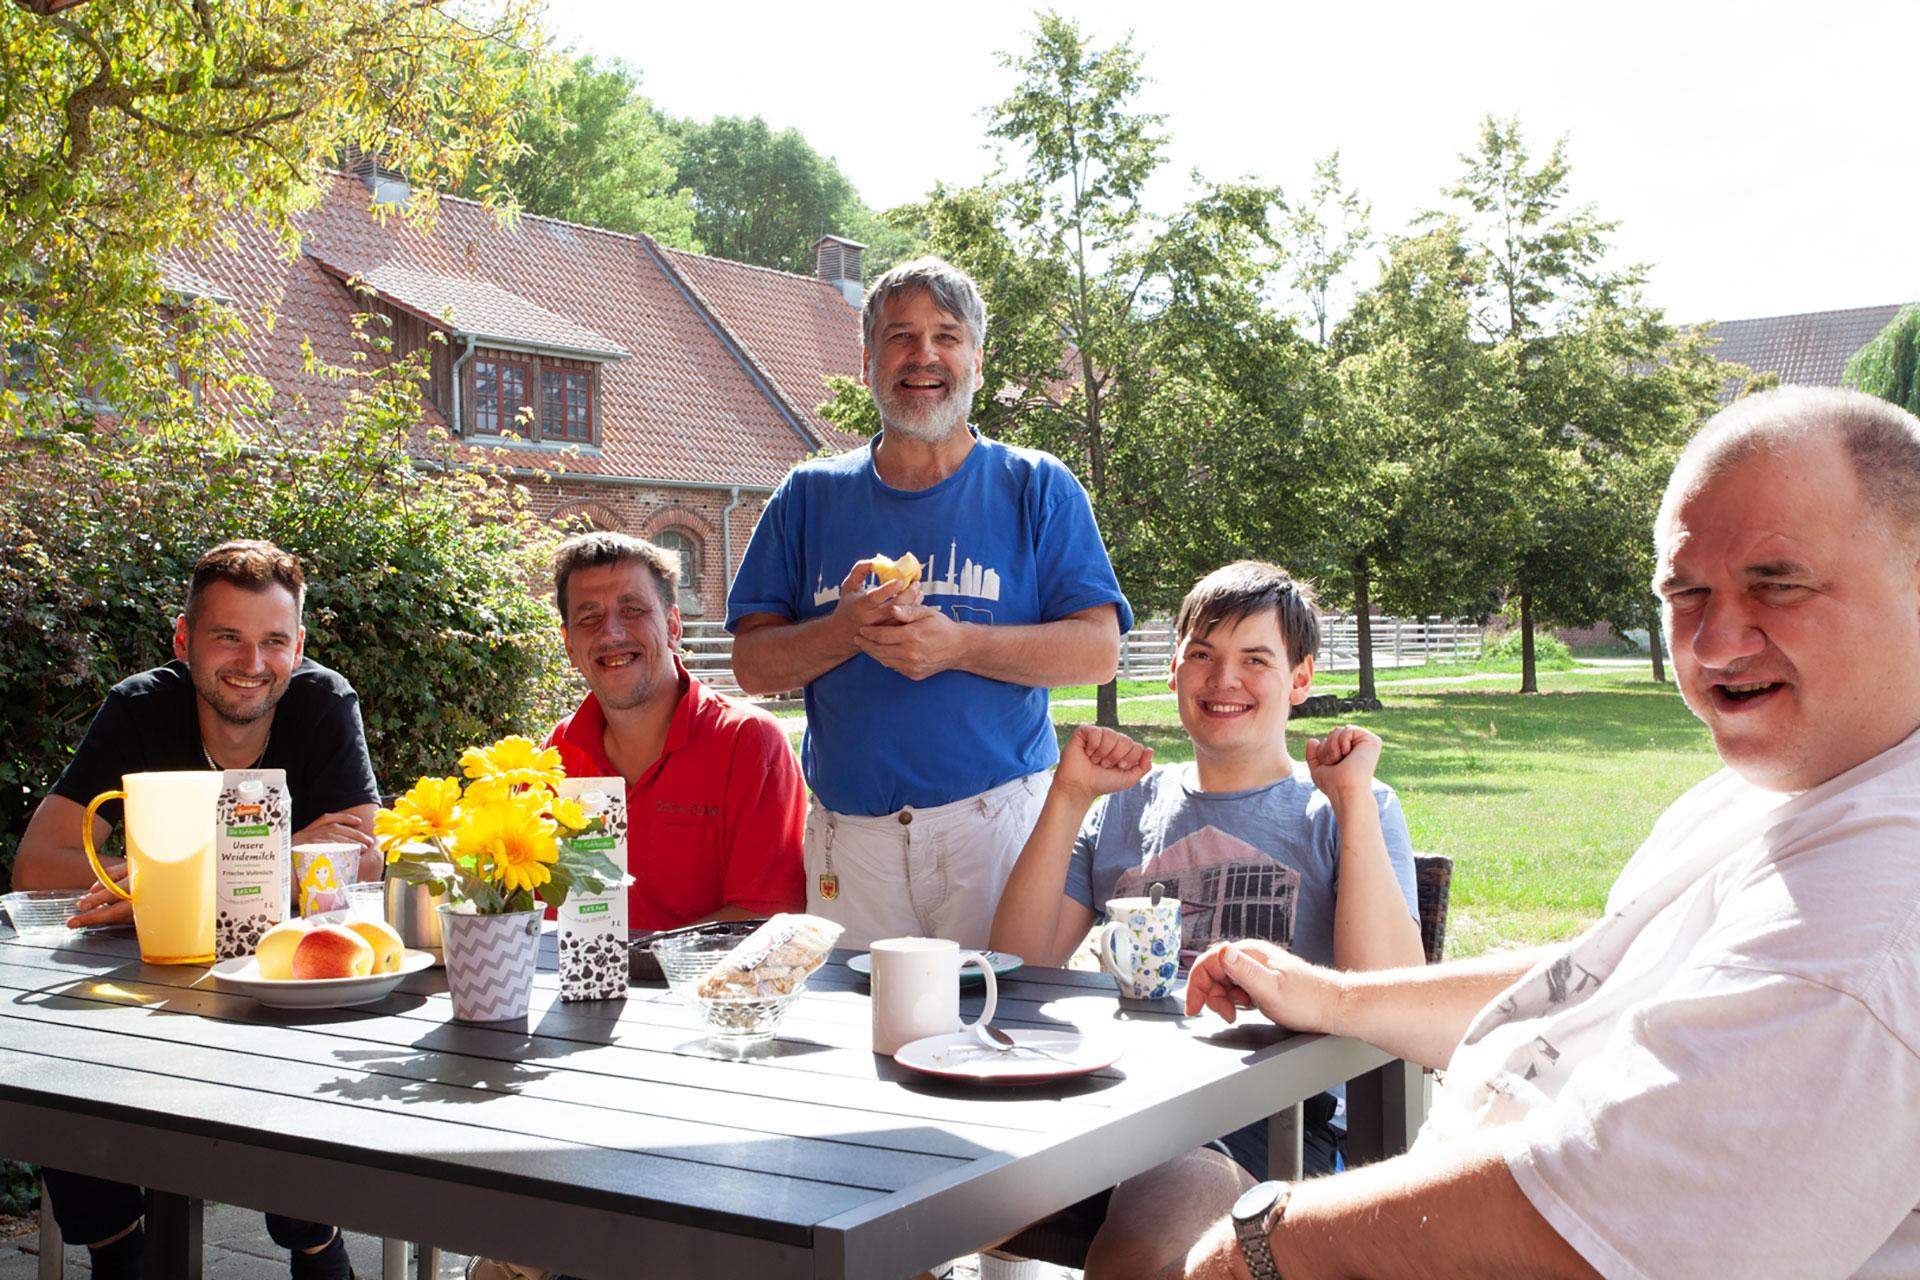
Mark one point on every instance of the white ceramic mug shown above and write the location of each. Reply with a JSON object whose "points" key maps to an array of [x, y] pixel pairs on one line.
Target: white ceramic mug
{"points": [[1140, 946], [916, 989]]}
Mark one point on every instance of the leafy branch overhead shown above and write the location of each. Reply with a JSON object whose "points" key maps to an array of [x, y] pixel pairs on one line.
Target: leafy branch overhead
{"points": [[132, 130]]}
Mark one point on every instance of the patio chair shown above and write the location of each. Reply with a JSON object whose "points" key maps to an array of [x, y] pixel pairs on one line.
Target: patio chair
{"points": [[1064, 1242]]}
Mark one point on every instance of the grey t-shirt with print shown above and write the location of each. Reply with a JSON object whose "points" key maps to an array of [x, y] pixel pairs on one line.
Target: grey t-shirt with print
{"points": [[1263, 863]]}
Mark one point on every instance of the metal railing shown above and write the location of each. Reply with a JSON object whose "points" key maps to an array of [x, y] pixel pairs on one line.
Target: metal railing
{"points": [[1147, 650]]}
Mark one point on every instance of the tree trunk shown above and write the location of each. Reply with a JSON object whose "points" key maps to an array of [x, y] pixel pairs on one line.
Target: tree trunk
{"points": [[1106, 704], [1653, 643], [1529, 683], [1363, 626]]}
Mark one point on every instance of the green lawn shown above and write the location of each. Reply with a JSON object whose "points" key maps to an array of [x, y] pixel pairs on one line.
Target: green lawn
{"points": [[1539, 799]]}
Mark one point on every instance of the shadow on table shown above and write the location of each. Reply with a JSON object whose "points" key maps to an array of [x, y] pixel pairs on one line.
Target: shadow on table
{"points": [[1050, 1089], [421, 1074]]}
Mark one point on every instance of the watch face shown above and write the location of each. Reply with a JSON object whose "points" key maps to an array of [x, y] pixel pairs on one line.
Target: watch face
{"points": [[1254, 1202]]}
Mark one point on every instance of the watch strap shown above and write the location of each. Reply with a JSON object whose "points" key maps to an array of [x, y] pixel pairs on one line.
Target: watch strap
{"points": [[1251, 1229]]}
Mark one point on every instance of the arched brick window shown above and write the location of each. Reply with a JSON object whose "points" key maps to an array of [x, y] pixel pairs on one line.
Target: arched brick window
{"points": [[683, 544], [595, 516]]}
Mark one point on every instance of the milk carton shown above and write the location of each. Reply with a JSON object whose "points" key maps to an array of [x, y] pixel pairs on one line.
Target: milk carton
{"points": [[253, 868], [593, 926]]}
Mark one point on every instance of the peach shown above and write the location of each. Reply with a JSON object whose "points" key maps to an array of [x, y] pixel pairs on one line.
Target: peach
{"points": [[332, 951], [386, 943], [274, 954]]}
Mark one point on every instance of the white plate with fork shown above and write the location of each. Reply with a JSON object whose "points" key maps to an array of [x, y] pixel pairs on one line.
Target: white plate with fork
{"points": [[1035, 1055]]}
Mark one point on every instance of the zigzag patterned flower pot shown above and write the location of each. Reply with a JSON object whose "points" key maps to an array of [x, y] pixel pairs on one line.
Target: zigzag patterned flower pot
{"points": [[490, 963]]}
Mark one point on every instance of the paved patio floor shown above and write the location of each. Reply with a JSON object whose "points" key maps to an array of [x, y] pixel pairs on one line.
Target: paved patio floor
{"points": [[238, 1248]]}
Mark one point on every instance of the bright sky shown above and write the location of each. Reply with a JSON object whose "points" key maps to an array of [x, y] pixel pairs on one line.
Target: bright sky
{"points": [[1759, 157]]}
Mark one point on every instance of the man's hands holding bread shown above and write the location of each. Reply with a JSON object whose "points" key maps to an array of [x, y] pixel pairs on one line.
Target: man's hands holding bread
{"points": [[890, 624]]}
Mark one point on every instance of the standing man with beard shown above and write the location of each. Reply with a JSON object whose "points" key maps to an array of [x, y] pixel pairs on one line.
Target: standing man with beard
{"points": [[928, 739], [240, 694], [714, 797]]}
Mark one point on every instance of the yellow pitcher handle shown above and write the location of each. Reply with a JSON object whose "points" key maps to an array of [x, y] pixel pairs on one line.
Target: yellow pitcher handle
{"points": [[86, 838]]}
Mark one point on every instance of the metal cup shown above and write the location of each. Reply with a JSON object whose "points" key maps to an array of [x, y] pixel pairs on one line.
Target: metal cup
{"points": [[414, 914]]}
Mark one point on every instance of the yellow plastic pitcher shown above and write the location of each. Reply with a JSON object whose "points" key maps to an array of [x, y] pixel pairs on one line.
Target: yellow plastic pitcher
{"points": [[170, 859]]}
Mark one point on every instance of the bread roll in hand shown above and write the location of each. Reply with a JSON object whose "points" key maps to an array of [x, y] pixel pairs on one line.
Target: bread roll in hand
{"points": [[905, 570]]}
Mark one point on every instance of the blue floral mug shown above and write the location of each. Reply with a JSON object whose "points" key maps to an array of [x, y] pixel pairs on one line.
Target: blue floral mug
{"points": [[1140, 946]]}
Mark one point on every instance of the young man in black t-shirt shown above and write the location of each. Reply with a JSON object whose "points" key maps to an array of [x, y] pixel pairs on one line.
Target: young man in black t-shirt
{"points": [[240, 695]]}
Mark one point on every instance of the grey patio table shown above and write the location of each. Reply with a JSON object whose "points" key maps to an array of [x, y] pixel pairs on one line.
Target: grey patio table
{"points": [[612, 1139]]}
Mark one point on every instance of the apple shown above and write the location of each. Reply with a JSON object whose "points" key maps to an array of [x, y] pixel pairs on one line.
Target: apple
{"points": [[332, 951], [385, 941], [274, 954]]}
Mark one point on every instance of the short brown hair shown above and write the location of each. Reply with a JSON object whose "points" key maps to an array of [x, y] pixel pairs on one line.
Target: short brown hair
{"points": [[251, 565], [591, 550], [1244, 588]]}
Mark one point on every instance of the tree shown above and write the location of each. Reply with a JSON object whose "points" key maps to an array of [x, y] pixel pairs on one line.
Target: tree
{"points": [[891, 236], [1599, 381], [593, 150], [1130, 344], [1889, 366], [1413, 499], [1323, 236], [760, 196], [133, 130]]}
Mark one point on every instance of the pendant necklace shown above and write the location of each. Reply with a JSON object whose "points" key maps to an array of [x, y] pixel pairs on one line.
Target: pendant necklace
{"points": [[215, 764]]}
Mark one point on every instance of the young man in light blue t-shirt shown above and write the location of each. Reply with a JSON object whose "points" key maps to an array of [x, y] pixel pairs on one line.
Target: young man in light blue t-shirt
{"points": [[1312, 855]]}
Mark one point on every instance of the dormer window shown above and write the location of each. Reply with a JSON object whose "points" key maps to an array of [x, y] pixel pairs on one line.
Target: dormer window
{"points": [[499, 394], [566, 405], [540, 398], [526, 372]]}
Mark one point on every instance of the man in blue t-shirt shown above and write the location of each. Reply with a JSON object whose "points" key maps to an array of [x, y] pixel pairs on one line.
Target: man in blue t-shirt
{"points": [[928, 738], [1313, 856]]}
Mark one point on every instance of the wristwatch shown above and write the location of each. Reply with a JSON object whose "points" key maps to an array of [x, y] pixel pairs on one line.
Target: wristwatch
{"points": [[1254, 1215]]}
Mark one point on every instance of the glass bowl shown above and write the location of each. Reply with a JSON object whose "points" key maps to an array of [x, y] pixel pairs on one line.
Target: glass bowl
{"points": [[743, 1019], [40, 915], [687, 958]]}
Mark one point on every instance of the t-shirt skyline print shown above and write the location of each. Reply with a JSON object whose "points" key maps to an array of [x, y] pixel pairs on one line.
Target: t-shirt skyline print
{"points": [[1261, 863]]}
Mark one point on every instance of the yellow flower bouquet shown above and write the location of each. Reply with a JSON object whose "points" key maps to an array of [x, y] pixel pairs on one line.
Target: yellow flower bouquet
{"points": [[501, 840]]}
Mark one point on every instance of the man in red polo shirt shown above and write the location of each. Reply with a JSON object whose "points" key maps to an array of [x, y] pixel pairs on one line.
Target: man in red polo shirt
{"points": [[715, 802]]}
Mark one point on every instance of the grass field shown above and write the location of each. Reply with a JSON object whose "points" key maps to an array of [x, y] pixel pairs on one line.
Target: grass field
{"points": [[1538, 799], [1332, 682]]}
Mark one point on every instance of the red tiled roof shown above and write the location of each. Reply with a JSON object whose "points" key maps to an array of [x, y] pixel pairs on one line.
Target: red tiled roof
{"points": [[683, 406], [797, 328]]}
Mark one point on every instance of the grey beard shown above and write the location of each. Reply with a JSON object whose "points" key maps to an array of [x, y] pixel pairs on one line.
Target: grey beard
{"points": [[931, 425]]}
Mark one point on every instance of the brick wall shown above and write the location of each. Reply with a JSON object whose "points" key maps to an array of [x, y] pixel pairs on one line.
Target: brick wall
{"points": [[648, 512]]}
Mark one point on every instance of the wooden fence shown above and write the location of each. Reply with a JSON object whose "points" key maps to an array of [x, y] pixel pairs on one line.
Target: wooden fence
{"points": [[1146, 650]]}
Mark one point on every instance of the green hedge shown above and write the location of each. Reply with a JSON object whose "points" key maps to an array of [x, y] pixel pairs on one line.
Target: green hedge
{"points": [[1550, 653], [422, 584]]}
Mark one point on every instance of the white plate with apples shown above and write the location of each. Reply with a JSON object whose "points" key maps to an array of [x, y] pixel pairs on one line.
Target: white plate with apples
{"points": [[301, 964]]}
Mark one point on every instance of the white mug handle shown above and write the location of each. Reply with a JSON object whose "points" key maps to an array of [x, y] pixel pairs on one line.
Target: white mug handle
{"points": [[1111, 934], [993, 988]]}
